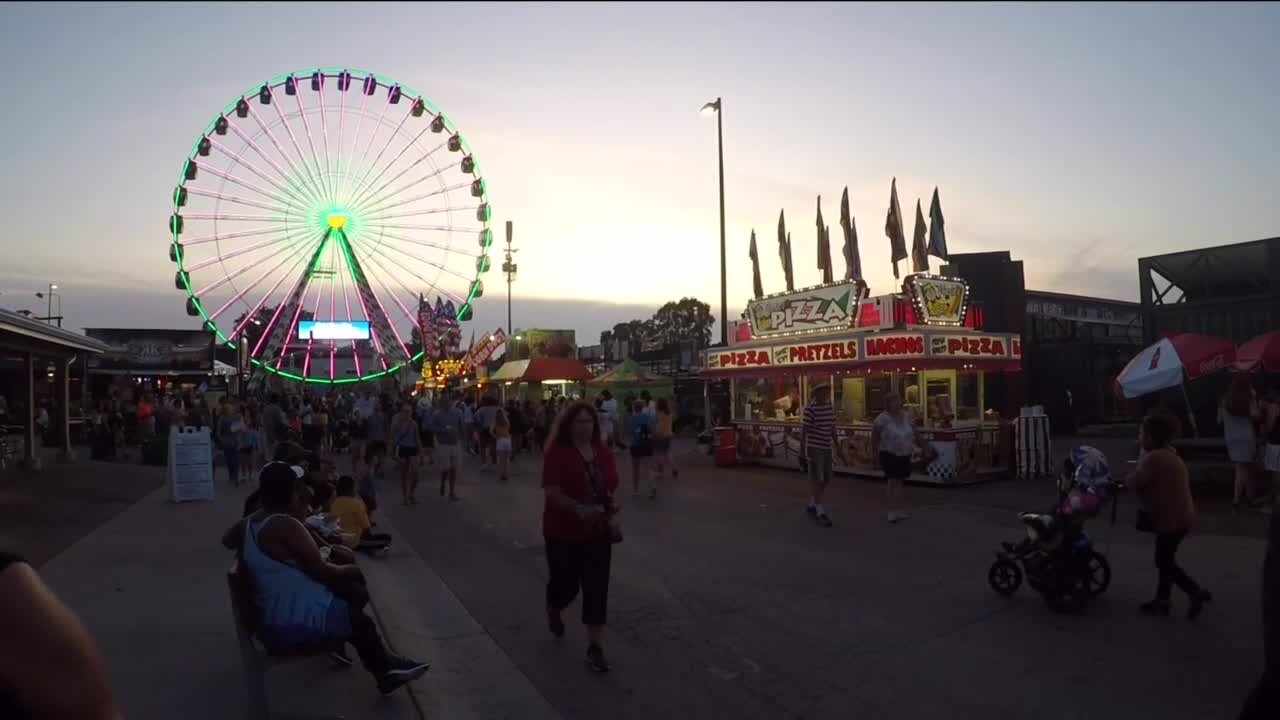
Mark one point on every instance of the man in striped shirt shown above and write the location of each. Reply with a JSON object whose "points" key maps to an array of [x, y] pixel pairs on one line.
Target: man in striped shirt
{"points": [[816, 435]]}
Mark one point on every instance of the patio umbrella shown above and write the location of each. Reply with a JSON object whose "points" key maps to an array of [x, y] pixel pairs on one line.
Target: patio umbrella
{"points": [[1260, 353], [1172, 361]]}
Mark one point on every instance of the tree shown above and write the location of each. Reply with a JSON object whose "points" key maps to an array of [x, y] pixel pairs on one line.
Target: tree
{"points": [[685, 319]]}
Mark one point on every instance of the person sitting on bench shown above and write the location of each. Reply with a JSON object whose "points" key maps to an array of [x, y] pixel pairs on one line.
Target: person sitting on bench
{"points": [[353, 519], [294, 586]]}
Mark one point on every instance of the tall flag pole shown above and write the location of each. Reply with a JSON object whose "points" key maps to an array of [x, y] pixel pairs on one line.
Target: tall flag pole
{"points": [[784, 251], [919, 250], [893, 229], [937, 228], [852, 258], [756, 287], [824, 247]]}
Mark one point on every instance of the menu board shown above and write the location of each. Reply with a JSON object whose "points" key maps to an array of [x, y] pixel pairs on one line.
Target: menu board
{"points": [[190, 467]]}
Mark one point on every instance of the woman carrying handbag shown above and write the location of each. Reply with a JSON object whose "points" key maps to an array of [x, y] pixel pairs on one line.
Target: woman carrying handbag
{"points": [[578, 523], [1168, 511]]}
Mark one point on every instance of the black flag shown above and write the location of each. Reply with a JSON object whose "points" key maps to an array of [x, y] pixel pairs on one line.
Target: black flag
{"points": [[824, 247], [919, 251], [893, 229], [852, 258], [784, 251], [756, 286], [937, 228]]}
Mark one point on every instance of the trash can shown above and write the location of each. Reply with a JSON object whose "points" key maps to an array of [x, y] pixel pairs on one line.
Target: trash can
{"points": [[726, 446]]}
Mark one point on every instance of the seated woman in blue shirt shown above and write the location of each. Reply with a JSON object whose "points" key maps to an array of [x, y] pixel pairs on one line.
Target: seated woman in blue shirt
{"points": [[292, 584]]}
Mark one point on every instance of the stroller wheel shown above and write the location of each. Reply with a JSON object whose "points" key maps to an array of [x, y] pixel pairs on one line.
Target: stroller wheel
{"points": [[1004, 576], [1099, 572]]}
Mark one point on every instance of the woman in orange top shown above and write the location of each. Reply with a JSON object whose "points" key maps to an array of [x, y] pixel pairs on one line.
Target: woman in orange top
{"points": [[1165, 492]]}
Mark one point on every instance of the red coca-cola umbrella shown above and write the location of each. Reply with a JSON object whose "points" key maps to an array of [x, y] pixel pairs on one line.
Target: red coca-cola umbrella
{"points": [[1172, 361], [1260, 353]]}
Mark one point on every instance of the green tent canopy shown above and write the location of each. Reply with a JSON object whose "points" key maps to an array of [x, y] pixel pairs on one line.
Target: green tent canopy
{"points": [[628, 378], [628, 372]]}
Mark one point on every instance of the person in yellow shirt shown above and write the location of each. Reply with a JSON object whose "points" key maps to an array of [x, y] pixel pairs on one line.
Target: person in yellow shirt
{"points": [[353, 519], [662, 434]]}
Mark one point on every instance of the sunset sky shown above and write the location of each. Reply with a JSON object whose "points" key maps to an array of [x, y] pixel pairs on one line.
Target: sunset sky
{"points": [[1079, 137]]}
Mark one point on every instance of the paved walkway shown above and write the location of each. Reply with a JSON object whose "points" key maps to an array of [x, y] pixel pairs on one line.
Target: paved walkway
{"points": [[725, 602], [150, 584]]}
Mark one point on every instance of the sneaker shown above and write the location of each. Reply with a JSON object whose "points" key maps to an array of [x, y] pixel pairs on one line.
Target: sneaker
{"points": [[811, 510], [596, 660], [453, 498], [893, 517], [824, 520], [653, 494], [341, 658], [399, 672], [1198, 601], [903, 516], [1155, 608], [555, 623]]}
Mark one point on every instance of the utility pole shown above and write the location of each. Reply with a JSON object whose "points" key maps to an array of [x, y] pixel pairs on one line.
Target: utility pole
{"points": [[509, 267]]}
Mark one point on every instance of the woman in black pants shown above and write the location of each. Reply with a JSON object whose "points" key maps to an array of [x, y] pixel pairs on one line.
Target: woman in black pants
{"points": [[1162, 485], [579, 477]]}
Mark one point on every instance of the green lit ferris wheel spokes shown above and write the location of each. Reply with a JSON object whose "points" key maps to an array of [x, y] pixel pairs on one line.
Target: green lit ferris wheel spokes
{"points": [[259, 189]]}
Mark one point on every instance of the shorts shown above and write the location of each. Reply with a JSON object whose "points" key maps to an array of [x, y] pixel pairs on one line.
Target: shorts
{"points": [[641, 450], [896, 467], [819, 465], [404, 453], [449, 456], [661, 444], [504, 444]]}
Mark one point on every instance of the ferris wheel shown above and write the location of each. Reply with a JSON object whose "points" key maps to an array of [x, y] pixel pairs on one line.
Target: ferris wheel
{"points": [[317, 213]]}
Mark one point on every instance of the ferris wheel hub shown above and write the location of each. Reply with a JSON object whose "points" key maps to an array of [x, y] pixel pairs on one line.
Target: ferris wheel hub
{"points": [[337, 220]]}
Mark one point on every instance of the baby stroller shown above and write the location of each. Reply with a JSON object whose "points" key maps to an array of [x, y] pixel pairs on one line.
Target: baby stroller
{"points": [[1057, 557]]}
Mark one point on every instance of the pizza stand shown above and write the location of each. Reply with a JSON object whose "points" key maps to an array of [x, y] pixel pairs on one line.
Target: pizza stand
{"points": [[926, 344]]}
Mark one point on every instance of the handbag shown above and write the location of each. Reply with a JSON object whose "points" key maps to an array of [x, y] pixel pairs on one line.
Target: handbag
{"points": [[1146, 522], [608, 525]]}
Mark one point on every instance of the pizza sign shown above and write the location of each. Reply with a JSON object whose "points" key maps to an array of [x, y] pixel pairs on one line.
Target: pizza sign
{"points": [[739, 359], [984, 346], [825, 307]]}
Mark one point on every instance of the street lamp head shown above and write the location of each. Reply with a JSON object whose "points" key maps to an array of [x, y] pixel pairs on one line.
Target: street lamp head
{"points": [[53, 287], [711, 107]]}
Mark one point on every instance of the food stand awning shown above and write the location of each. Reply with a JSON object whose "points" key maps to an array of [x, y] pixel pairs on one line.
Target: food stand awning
{"points": [[542, 370]]}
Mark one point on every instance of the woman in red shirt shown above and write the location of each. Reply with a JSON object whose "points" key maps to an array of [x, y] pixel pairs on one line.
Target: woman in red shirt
{"points": [[579, 477]]}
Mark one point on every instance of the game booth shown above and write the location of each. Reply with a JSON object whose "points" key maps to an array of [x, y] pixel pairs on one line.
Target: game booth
{"points": [[925, 344]]}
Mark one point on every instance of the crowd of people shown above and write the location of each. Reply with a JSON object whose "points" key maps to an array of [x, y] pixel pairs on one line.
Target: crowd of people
{"points": [[305, 519]]}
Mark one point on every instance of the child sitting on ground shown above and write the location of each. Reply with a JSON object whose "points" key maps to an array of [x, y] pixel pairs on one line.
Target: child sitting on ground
{"points": [[353, 519]]}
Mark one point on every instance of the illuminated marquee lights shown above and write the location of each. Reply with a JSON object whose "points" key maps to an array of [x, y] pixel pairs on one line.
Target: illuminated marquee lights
{"points": [[938, 300]]}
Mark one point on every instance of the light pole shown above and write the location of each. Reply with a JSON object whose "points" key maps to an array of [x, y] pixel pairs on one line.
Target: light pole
{"points": [[509, 267], [717, 107], [48, 316]]}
